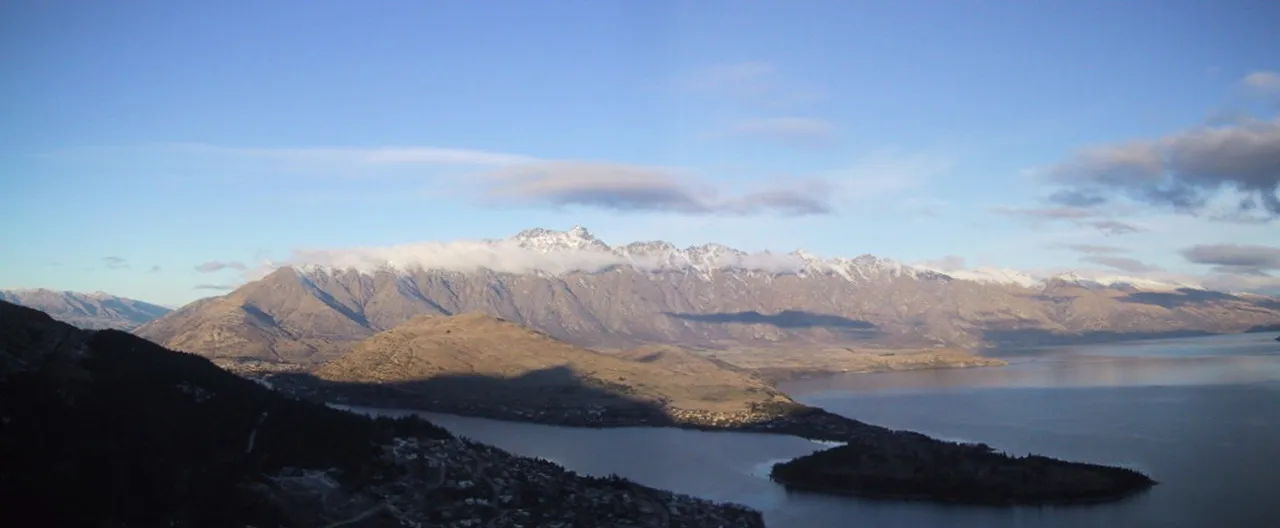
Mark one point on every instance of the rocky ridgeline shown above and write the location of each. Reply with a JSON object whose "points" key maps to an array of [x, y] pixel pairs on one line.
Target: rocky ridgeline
{"points": [[455, 482]]}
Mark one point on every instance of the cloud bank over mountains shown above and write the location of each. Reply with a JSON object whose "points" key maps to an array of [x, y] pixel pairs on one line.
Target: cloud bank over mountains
{"points": [[542, 251]]}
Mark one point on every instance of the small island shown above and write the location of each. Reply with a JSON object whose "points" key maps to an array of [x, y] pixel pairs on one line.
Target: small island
{"points": [[917, 467]]}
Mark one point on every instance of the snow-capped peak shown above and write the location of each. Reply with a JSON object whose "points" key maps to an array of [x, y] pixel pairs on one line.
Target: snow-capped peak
{"points": [[545, 251], [991, 275], [545, 240]]}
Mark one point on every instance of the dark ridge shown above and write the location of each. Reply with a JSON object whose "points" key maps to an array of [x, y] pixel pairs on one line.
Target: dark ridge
{"points": [[125, 444], [107, 429]]}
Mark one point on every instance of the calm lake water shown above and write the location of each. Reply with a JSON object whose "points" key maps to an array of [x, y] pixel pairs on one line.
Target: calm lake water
{"points": [[1200, 415]]}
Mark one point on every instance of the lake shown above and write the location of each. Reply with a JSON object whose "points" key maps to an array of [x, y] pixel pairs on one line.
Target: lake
{"points": [[1200, 415]]}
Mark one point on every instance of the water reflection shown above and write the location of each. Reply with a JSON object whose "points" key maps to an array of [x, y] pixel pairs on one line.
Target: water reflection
{"points": [[1202, 416], [719, 466], [1249, 358]]}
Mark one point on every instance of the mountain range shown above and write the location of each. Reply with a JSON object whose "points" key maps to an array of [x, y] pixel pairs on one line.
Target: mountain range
{"points": [[574, 287], [90, 311]]}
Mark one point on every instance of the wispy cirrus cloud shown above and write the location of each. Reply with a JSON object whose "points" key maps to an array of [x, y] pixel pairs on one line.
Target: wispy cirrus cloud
{"points": [[803, 132], [1125, 264], [305, 156], [1044, 213], [215, 287], [1081, 216], [745, 76], [1095, 249], [115, 263], [1115, 227], [215, 266], [753, 82]]}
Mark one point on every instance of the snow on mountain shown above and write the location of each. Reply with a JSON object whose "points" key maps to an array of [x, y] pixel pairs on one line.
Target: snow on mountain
{"points": [[990, 275], [545, 251], [95, 310]]}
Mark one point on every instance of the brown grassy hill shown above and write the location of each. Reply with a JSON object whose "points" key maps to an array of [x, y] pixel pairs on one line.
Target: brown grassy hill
{"points": [[282, 317], [476, 357]]}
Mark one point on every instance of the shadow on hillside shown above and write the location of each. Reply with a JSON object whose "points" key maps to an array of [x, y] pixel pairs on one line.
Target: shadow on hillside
{"points": [[786, 319], [1015, 342], [555, 395], [1182, 297], [888, 464]]}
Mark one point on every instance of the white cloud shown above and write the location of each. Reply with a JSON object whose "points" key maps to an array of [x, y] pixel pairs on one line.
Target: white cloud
{"points": [[1266, 82]]}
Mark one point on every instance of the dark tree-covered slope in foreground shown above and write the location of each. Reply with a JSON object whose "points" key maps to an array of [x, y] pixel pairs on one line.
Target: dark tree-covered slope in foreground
{"points": [[106, 429]]}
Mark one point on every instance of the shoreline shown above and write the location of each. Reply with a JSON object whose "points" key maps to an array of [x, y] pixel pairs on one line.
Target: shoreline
{"points": [[791, 419], [777, 375], [795, 487], [884, 461]]}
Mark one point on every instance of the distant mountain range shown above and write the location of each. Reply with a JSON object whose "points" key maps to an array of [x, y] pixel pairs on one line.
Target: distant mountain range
{"points": [[90, 311], [578, 289]]}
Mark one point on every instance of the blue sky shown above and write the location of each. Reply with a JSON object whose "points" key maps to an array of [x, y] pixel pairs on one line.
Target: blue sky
{"points": [[137, 144]]}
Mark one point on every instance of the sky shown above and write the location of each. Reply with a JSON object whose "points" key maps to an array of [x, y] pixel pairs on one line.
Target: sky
{"points": [[164, 150]]}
